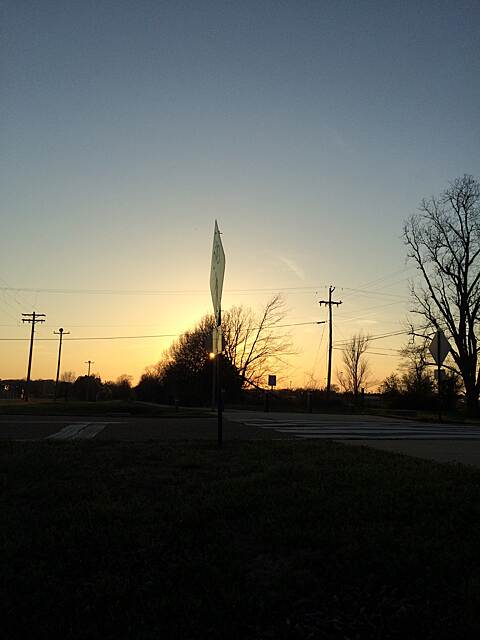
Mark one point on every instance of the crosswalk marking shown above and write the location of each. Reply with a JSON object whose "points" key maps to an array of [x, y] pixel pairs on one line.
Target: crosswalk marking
{"points": [[364, 430], [79, 431]]}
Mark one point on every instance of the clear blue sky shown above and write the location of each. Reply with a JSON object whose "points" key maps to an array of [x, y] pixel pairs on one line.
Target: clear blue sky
{"points": [[310, 130]]}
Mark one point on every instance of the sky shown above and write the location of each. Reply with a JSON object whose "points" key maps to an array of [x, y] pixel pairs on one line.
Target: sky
{"points": [[309, 130]]}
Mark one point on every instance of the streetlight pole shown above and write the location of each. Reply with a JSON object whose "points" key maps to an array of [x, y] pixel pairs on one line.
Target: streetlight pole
{"points": [[60, 333], [89, 362]]}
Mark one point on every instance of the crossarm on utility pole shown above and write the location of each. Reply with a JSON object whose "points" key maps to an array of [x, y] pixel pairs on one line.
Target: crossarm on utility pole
{"points": [[34, 318]]}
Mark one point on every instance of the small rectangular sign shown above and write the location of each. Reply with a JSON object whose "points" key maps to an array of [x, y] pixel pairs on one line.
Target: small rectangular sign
{"points": [[217, 340], [272, 381]]}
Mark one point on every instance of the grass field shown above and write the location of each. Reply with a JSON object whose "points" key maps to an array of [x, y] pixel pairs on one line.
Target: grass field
{"points": [[107, 407], [258, 540]]}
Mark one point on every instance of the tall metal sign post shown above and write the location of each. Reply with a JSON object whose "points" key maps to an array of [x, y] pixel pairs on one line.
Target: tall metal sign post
{"points": [[217, 272], [439, 348]]}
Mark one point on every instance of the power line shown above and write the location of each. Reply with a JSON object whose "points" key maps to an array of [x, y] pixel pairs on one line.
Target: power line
{"points": [[110, 326], [158, 335], [387, 276], [375, 293], [373, 353], [8, 286], [163, 335], [378, 337], [363, 314], [155, 292], [297, 324]]}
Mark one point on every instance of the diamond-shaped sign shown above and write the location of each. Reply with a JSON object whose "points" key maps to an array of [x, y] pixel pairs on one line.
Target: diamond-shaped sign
{"points": [[439, 347]]}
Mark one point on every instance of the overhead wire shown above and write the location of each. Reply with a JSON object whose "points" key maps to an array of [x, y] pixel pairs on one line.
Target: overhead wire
{"points": [[374, 337], [37, 339], [374, 353], [160, 335], [156, 292], [363, 315]]}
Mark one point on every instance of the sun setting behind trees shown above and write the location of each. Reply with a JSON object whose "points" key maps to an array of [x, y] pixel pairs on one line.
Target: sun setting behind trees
{"points": [[200, 437]]}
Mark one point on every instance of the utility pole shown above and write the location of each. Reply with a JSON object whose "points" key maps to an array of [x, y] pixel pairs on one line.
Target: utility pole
{"points": [[33, 318], [60, 333], [89, 362], [329, 303]]}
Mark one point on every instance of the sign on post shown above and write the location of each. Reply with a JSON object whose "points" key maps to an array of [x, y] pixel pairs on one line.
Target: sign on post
{"points": [[439, 347], [272, 381], [217, 272], [217, 340]]}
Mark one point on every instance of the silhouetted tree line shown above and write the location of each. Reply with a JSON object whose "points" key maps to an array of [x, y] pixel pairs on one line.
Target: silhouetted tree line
{"points": [[186, 375], [72, 388], [11, 389], [252, 345], [415, 385]]}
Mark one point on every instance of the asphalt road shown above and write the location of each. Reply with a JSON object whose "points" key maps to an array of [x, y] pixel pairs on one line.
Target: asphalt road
{"points": [[444, 443], [352, 427], [58, 428], [439, 442]]}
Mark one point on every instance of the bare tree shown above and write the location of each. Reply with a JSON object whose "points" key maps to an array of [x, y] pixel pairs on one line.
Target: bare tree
{"points": [[256, 344], [443, 240], [68, 376], [312, 383], [355, 372], [415, 365]]}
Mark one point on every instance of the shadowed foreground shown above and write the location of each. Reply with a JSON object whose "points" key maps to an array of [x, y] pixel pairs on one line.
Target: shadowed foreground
{"points": [[259, 540]]}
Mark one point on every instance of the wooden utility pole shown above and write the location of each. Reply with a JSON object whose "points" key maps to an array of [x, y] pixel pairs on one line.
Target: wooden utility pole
{"points": [[33, 318], [60, 333], [329, 303], [89, 362]]}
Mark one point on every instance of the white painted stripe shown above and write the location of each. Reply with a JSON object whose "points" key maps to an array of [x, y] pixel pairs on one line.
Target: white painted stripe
{"points": [[364, 425], [91, 431], [80, 431], [68, 432], [371, 431], [328, 430], [386, 437]]}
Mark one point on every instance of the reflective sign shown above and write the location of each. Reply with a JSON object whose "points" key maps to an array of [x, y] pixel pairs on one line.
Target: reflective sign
{"points": [[439, 347], [217, 272]]}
